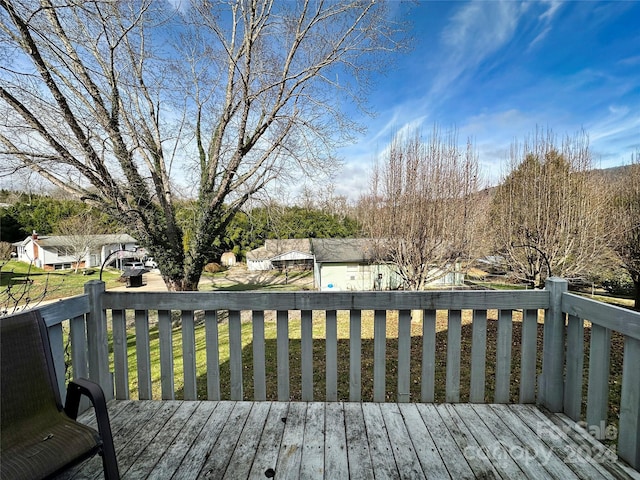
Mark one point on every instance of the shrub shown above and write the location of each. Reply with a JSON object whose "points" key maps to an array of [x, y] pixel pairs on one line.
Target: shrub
{"points": [[213, 267], [619, 282]]}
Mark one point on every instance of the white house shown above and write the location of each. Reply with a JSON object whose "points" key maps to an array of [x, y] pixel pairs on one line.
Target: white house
{"points": [[281, 254], [351, 264], [57, 252]]}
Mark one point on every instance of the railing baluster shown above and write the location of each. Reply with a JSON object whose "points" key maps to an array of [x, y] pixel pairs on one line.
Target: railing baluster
{"points": [[503, 356], [167, 373], [629, 429], [332, 356], [528, 355], [143, 355], [306, 333], [355, 356], [478, 356], [379, 355], [120, 353], [575, 360], [282, 328], [78, 337], [213, 354], [189, 355], [79, 360], [56, 342], [428, 371], [259, 367], [598, 390], [453, 356], [235, 354], [404, 355]]}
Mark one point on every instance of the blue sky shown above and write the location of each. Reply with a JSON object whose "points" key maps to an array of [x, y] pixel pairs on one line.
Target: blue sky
{"points": [[497, 70]]}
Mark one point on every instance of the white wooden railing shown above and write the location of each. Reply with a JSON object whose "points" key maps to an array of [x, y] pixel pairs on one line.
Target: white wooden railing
{"points": [[558, 385]]}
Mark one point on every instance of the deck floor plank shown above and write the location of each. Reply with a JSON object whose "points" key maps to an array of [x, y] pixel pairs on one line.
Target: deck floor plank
{"points": [[558, 442], [426, 450], [88, 418], [245, 451], [128, 455], [479, 463], [267, 452], [157, 447], [531, 453], [382, 459], [237, 440], [129, 422], [290, 455], [401, 444], [445, 443], [556, 438], [227, 442], [487, 444], [514, 447], [335, 452], [360, 466], [203, 445], [183, 442], [312, 463]]}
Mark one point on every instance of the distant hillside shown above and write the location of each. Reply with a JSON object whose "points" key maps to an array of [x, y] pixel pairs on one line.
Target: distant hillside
{"points": [[613, 174]]}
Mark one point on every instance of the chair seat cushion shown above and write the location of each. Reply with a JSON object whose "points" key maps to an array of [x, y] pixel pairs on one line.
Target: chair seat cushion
{"points": [[54, 447]]}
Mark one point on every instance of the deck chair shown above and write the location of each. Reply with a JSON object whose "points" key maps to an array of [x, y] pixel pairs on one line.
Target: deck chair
{"points": [[39, 438]]}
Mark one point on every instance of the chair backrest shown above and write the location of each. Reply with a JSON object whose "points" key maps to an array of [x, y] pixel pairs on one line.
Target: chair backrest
{"points": [[30, 396]]}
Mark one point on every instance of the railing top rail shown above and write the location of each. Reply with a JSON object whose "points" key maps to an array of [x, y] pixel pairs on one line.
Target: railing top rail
{"points": [[427, 300], [56, 312], [622, 320]]}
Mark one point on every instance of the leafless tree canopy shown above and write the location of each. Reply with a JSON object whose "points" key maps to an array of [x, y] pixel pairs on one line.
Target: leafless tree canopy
{"points": [[547, 216], [80, 237], [421, 208], [625, 223], [113, 100]]}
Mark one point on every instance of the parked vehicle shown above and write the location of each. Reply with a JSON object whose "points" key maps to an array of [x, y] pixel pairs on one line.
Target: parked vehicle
{"points": [[133, 265], [150, 263]]}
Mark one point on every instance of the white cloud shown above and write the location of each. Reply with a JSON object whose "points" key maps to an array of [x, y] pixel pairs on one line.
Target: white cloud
{"points": [[475, 32], [550, 12]]}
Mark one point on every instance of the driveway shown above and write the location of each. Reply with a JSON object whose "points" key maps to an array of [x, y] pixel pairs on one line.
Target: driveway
{"points": [[152, 282]]}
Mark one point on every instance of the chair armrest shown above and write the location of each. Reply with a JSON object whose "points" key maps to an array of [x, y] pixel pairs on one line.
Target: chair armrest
{"points": [[82, 386]]}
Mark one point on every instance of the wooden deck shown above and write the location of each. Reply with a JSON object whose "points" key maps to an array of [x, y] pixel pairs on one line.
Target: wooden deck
{"points": [[235, 440]]}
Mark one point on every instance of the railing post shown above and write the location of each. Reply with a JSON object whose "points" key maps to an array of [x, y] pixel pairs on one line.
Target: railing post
{"points": [[97, 339], [551, 391]]}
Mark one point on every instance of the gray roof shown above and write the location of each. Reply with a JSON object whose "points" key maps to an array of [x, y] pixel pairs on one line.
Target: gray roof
{"points": [[343, 250], [107, 239], [62, 240], [274, 248]]}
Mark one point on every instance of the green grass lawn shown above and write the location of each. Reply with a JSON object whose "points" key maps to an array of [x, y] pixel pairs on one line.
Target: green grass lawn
{"points": [[18, 279], [295, 371], [21, 283]]}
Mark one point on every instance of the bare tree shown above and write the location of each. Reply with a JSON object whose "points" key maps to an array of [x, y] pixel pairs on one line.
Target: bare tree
{"points": [[80, 237], [625, 223], [420, 209], [111, 100], [5, 251], [547, 216]]}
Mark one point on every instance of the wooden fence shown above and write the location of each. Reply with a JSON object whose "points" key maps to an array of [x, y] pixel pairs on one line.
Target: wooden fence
{"points": [[99, 339]]}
